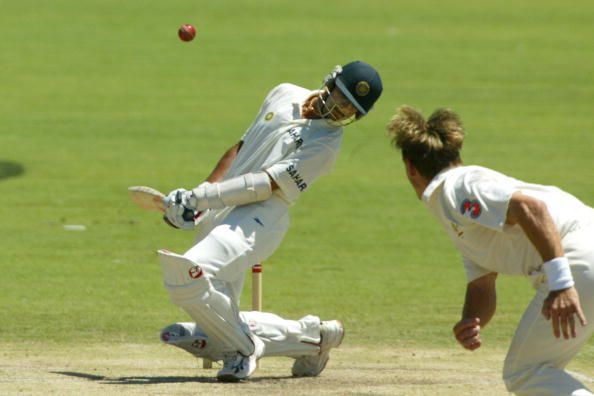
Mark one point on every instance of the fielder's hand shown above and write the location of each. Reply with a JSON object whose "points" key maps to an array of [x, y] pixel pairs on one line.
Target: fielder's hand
{"points": [[177, 214], [467, 332], [560, 306]]}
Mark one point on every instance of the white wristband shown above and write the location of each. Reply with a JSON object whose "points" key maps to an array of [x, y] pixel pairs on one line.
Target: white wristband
{"points": [[558, 273]]}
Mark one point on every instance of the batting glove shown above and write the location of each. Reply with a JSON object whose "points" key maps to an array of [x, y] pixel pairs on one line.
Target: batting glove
{"points": [[177, 214]]}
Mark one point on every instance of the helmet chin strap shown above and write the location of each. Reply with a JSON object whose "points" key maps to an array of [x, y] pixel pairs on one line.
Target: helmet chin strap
{"points": [[326, 110]]}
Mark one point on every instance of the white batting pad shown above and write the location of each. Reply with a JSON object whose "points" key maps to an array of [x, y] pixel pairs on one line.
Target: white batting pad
{"points": [[190, 289], [281, 337], [192, 339]]}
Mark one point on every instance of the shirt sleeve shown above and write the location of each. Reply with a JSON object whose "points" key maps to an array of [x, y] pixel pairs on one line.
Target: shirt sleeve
{"points": [[298, 171], [473, 270], [481, 198]]}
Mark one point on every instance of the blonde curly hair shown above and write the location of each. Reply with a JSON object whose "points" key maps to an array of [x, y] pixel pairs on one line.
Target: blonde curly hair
{"points": [[430, 145]]}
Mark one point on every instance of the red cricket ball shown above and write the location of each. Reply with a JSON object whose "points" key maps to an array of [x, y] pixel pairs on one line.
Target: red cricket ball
{"points": [[186, 32]]}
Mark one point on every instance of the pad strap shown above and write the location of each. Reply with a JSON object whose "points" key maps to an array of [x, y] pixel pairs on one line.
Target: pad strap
{"points": [[558, 273], [241, 190]]}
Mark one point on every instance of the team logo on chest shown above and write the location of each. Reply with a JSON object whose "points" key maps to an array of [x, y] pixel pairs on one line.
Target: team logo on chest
{"points": [[471, 208], [268, 116]]}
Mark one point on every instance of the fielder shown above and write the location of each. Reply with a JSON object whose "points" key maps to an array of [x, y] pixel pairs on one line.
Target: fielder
{"points": [[503, 225], [243, 213]]}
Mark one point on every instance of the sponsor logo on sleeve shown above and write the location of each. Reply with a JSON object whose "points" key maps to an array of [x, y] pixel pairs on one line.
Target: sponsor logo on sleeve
{"points": [[292, 171], [471, 208]]}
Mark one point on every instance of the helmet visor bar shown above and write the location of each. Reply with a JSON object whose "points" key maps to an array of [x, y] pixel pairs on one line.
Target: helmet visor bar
{"points": [[333, 112], [349, 96]]}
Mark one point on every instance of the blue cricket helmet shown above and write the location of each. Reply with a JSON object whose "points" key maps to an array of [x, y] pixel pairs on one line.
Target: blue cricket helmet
{"points": [[360, 83]]}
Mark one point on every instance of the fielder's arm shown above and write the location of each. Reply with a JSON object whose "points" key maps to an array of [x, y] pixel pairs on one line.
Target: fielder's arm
{"points": [[536, 222], [479, 308], [481, 299], [563, 299]]}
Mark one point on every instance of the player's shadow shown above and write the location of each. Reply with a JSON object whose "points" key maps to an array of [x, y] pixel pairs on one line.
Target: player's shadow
{"points": [[142, 380], [10, 169], [135, 380]]}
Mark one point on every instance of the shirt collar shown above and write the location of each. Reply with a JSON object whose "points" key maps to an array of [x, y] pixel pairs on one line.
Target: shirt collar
{"points": [[436, 182]]}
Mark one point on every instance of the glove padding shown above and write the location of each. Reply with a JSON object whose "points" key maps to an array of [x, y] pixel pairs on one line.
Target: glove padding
{"points": [[177, 214]]}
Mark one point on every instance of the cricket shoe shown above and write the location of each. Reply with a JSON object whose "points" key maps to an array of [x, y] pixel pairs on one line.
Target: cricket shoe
{"points": [[237, 367], [331, 335]]}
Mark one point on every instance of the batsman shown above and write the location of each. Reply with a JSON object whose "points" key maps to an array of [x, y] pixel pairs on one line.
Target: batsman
{"points": [[242, 208]]}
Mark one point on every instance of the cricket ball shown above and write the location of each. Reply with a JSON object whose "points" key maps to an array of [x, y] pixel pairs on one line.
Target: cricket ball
{"points": [[186, 32]]}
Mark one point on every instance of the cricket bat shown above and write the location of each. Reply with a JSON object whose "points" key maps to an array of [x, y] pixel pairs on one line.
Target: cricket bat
{"points": [[151, 199], [147, 198]]}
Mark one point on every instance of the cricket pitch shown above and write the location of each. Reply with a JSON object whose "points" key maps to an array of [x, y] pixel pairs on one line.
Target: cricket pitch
{"points": [[37, 369], [139, 369]]}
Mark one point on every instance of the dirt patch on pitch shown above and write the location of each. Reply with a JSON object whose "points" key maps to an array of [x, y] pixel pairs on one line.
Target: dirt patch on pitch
{"points": [[162, 370]]}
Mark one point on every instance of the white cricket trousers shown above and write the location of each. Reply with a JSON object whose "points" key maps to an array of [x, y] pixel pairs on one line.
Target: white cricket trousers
{"points": [[226, 249], [536, 359]]}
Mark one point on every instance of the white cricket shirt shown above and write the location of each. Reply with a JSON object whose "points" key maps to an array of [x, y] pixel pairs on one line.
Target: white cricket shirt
{"points": [[471, 203], [294, 151]]}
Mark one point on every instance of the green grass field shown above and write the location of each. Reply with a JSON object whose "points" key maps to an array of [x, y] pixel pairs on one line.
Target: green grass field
{"points": [[101, 95]]}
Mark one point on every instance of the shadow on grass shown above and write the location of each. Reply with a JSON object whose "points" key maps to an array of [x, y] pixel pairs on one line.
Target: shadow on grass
{"points": [[141, 380], [10, 169]]}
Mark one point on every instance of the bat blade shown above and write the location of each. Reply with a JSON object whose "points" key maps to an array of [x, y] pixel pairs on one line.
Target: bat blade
{"points": [[147, 198]]}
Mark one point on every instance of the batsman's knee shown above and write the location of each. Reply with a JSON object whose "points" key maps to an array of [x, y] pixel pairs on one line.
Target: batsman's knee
{"points": [[184, 279]]}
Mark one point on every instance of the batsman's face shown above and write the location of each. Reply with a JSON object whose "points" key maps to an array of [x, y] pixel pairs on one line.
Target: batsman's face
{"points": [[337, 108]]}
